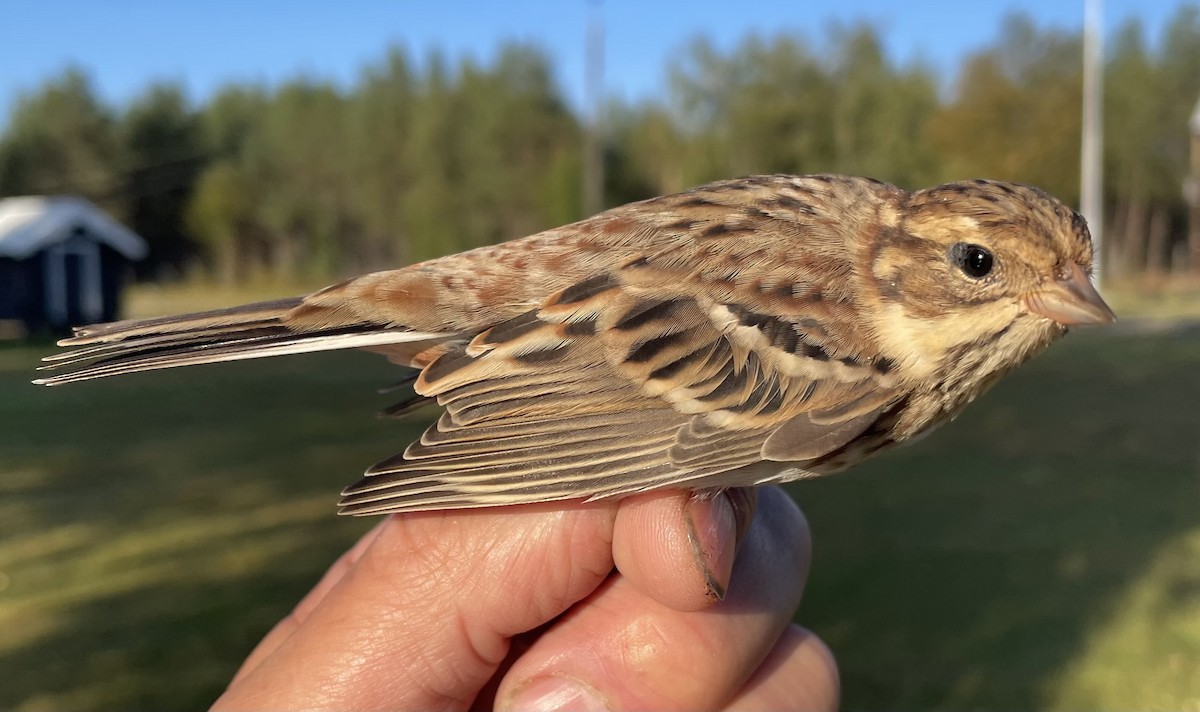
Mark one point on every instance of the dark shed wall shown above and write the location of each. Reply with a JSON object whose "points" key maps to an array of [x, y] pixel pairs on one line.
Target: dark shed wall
{"points": [[23, 290], [114, 270]]}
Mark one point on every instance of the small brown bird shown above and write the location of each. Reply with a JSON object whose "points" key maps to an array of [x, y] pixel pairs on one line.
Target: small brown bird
{"points": [[744, 332]]}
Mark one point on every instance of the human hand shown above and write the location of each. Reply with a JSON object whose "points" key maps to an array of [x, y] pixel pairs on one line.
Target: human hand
{"points": [[519, 608]]}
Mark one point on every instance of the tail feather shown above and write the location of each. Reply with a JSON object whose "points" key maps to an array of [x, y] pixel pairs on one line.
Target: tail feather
{"points": [[100, 352], [252, 331], [247, 315]]}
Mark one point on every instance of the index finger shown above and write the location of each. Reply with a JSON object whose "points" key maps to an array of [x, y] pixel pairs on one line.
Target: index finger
{"points": [[423, 618]]}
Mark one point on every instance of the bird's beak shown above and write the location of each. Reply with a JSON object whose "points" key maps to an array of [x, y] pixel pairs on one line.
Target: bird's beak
{"points": [[1070, 300]]}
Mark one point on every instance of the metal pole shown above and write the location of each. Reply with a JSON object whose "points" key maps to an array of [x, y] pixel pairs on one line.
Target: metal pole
{"points": [[593, 145], [1091, 173]]}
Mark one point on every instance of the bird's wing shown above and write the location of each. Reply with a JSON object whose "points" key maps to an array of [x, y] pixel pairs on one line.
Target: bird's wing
{"points": [[622, 383]]}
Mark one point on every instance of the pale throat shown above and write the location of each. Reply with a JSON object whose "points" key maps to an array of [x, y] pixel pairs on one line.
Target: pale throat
{"points": [[920, 344]]}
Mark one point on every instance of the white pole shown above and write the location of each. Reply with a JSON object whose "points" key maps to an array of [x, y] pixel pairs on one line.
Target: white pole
{"points": [[1091, 173], [593, 122]]}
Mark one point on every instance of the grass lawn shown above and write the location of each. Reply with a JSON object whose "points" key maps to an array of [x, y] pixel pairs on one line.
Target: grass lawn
{"points": [[1043, 551]]}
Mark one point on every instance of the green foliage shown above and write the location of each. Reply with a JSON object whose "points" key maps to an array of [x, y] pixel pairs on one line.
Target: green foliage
{"points": [[231, 117], [379, 122], [1136, 166], [762, 109], [1177, 61], [161, 157], [783, 106], [644, 154], [1151, 90], [220, 209], [490, 147], [1016, 113], [880, 113], [59, 139], [416, 159]]}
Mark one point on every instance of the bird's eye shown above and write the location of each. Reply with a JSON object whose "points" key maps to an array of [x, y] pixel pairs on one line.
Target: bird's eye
{"points": [[975, 261]]}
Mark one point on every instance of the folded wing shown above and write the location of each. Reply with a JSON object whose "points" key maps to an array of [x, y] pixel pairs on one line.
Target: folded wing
{"points": [[610, 388]]}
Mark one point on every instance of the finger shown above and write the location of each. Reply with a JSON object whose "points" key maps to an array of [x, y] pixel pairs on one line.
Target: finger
{"points": [[423, 618], [799, 674], [624, 650], [284, 628], [678, 548]]}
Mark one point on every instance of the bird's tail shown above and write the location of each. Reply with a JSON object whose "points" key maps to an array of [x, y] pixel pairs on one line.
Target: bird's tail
{"points": [[250, 331]]}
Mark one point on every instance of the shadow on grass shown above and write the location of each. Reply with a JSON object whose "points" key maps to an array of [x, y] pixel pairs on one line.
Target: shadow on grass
{"points": [[152, 529], [172, 645]]}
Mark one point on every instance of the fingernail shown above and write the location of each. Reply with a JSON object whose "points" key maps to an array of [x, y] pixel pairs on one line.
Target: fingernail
{"points": [[745, 503], [559, 693], [712, 532]]}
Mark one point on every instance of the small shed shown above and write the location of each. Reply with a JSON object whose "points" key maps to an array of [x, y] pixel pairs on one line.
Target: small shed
{"points": [[62, 262]]}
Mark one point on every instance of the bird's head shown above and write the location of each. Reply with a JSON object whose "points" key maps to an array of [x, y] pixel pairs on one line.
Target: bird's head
{"points": [[983, 266]]}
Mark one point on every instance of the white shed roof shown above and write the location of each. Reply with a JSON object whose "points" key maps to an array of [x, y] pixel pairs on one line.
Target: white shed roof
{"points": [[30, 223]]}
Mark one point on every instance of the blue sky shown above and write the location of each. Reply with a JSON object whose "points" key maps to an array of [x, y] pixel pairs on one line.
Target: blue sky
{"points": [[207, 44]]}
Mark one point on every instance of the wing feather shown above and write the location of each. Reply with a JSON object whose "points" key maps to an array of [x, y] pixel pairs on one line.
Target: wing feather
{"points": [[609, 390]]}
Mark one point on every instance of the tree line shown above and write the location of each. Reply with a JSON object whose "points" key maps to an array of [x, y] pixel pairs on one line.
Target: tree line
{"points": [[421, 158]]}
